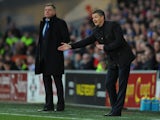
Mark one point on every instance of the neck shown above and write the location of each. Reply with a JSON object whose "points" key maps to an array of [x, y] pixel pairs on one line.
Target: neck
{"points": [[100, 25], [47, 19]]}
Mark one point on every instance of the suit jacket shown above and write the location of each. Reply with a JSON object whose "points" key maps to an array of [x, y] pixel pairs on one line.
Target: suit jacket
{"points": [[115, 46], [48, 59]]}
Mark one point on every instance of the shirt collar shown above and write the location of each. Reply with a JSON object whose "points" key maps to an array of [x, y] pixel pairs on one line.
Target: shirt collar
{"points": [[47, 19]]}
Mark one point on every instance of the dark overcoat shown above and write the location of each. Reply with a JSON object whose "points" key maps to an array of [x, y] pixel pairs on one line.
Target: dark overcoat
{"points": [[49, 60], [115, 46]]}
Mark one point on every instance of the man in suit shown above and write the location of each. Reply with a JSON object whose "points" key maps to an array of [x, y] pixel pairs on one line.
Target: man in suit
{"points": [[109, 37], [50, 61]]}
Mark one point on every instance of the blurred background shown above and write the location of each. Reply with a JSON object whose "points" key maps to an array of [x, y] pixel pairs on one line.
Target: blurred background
{"points": [[19, 27]]}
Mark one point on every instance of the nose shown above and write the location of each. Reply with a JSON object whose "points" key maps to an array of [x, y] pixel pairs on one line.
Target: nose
{"points": [[46, 10], [94, 20]]}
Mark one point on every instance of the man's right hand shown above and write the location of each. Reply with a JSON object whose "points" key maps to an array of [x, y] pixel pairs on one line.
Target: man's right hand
{"points": [[64, 47]]}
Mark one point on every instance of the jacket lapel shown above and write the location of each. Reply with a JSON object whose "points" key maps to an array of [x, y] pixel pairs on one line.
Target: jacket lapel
{"points": [[107, 30]]}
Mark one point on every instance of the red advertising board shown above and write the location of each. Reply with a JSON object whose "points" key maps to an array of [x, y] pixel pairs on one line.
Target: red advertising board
{"points": [[139, 85], [13, 86]]}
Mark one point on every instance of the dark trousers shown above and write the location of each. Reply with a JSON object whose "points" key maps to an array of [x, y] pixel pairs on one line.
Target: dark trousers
{"points": [[117, 98], [49, 91]]}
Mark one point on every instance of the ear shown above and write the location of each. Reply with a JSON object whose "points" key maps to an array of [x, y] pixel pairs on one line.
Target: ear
{"points": [[103, 17]]}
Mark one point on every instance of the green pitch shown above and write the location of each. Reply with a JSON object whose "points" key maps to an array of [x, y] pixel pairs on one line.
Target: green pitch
{"points": [[14, 111]]}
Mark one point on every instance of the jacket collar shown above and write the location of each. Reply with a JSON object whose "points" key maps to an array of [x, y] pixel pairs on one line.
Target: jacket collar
{"points": [[51, 19]]}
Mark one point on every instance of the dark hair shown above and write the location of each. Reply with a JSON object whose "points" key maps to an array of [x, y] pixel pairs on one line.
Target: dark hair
{"points": [[99, 12], [50, 4]]}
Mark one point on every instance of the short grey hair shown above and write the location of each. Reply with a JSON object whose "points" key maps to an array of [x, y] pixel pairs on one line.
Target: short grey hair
{"points": [[50, 4]]}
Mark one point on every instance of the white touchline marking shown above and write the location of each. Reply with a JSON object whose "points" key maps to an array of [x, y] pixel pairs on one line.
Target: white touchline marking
{"points": [[124, 117], [43, 116]]}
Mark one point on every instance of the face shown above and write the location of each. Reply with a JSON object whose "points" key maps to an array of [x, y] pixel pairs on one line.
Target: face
{"points": [[49, 11], [98, 20]]}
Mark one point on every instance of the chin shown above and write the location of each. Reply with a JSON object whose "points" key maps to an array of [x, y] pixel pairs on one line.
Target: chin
{"points": [[97, 25]]}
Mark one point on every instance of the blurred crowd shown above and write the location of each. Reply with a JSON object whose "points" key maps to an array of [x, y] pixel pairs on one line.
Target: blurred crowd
{"points": [[17, 49], [139, 20]]}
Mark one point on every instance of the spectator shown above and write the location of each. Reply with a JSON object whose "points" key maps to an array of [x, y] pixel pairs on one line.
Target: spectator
{"points": [[87, 63], [158, 60], [30, 63], [149, 58], [27, 39], [77, 61], [102, 66]]}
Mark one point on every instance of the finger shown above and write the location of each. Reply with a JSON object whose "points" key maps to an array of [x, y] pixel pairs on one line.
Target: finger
{"points": [[96, 43], [60, 48], [63, 43]]}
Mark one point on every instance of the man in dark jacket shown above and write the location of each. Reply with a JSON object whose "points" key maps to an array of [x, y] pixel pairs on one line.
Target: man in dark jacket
{"points": [[50, 61], [109, 37]]}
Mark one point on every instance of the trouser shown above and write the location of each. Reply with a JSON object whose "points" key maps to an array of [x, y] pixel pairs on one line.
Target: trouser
{"points": [[49, 91], [117, 98]]}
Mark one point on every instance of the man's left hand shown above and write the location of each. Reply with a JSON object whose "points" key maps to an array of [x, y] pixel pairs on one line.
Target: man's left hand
{"points": [[100, 46]]}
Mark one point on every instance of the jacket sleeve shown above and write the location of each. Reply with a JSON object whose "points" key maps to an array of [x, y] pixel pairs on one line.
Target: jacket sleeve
{"points": [[118, 36], [65, 32], [82, 43]]}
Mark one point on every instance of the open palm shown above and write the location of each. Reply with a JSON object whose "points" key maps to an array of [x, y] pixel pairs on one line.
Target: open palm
{"points": [[64, 47]]}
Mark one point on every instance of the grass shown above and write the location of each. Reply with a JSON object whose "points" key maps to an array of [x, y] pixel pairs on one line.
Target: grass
{"points": [[15, 111]]}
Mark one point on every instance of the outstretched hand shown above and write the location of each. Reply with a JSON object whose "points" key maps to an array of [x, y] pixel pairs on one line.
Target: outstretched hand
{"points": [[64, 47]]}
